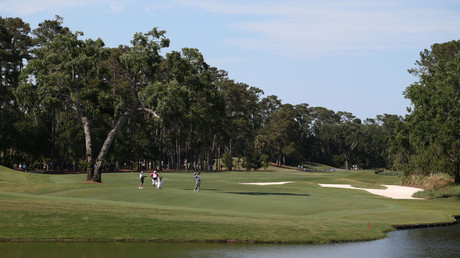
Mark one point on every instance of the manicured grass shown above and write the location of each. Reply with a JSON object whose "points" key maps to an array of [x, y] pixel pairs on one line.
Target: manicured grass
{"points": [[64, 207]]}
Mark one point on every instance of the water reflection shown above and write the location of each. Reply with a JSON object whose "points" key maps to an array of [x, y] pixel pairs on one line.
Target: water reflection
{"points": [[427, 242]]}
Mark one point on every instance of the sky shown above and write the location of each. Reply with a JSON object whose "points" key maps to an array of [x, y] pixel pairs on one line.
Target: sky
{"points": [[348, 56]]}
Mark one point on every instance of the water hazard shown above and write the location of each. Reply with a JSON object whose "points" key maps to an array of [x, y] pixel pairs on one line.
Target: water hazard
{"points": [[426, 242]]}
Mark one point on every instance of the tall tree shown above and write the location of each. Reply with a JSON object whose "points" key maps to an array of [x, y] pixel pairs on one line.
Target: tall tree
{"points": [[324, 123], [268, 106], [304, 119], [141, 63], [281, 134], [190, 105], [67, 70], [15, 44], [44, 33], [434, 121], [242, 109], [348, 135]]}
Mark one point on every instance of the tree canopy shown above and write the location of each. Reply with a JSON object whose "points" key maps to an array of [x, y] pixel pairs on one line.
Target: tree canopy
{"points": [[429, 137]]}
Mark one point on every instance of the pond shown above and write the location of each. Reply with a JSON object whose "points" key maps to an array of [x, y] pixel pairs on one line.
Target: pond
{"points": [[426, 242]]}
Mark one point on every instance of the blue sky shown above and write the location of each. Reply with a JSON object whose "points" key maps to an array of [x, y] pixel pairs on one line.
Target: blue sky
{"points": [[343, 55]]}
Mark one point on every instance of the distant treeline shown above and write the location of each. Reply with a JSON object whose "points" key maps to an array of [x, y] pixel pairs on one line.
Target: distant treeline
{"points": [[72, 103]]}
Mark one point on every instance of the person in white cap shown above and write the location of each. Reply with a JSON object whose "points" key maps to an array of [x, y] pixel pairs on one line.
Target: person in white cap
{"points": [[154, 176]]}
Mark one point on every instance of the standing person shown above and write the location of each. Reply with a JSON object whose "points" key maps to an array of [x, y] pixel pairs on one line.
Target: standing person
{"points": [[141, 177], [198, 182], [160, 182], [154, 176]]}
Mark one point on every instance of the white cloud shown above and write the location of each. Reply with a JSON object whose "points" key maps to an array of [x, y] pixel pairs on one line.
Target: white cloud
{"points": [[293, 27], [335, 26], [117, 7], [159, 6], [26, 7]]}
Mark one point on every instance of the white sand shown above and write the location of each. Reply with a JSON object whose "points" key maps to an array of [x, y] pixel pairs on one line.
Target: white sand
{"points": [[392, 191], [268, 183]]}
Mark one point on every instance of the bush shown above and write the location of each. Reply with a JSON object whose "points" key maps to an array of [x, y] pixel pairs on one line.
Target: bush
{"points": [[434, 181], [265, 160], [378, 170], [252, 160], [391, 173], [227, 160]]}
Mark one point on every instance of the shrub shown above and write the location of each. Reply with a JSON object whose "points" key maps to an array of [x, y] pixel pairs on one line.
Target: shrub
{"points": [[252, 160], [227, 160], [430, 182]]}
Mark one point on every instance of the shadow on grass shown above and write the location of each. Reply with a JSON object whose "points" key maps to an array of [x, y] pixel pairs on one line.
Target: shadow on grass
{"points": [[263, 193], [202, 189]]}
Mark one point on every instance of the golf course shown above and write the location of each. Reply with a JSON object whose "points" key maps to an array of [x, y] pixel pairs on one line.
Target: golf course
{"points": [[291, 207]]}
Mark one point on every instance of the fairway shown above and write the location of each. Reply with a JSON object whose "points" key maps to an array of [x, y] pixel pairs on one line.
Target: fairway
{"points": [[231, 206]]}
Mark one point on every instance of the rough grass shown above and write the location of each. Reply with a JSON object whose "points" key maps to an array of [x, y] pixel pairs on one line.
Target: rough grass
{"points": [[431, 182], [448, 191], [63, 207]]}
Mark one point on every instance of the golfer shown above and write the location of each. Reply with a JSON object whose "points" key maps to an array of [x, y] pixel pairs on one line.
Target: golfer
{"points": [[154, 176], [160, 182], [141, 177], [198, 182]]}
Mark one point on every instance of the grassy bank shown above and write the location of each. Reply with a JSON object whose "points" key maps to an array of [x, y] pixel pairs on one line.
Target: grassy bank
{"points": [[64, 207]]}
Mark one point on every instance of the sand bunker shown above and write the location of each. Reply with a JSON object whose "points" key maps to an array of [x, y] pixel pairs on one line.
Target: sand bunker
{"points": [[392, 191], [268, 183]]}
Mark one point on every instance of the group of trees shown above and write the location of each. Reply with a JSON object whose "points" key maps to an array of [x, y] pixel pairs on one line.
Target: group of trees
{"points": [[71, 101], [428, 141]]}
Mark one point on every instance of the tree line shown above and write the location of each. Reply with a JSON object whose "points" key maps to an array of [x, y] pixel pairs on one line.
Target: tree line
{"points": [[69, 102]]}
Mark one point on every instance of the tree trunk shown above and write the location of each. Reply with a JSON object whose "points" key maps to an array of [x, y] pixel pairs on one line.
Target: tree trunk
{"points": [[211, 154], [107, 143], [179, 158], [347, 154], [457, 174], [89, 152], [347, 159], [231, 156], [218, 159], [278, 157], [53, 139]]}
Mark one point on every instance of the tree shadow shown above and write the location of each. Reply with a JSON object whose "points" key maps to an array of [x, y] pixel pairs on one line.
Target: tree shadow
{"points": [[264, 193]]}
